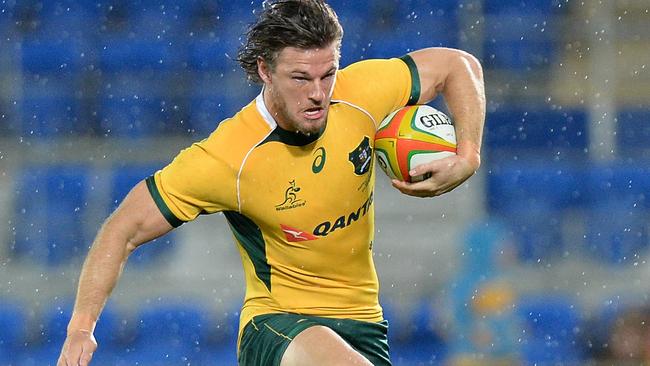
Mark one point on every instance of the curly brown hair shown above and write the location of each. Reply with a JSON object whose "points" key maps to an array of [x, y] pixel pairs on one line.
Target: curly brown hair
{"points": [[288, 23]]}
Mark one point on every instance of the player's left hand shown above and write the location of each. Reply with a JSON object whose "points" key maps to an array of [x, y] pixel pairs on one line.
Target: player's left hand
{"points": [[446, 174]]}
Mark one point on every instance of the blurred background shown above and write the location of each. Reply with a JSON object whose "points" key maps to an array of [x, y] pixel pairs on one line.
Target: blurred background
{"points": [[540, 259]]}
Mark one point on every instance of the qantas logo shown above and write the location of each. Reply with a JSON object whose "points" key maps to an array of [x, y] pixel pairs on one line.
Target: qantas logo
{"points": [[326, 227], [296, 235]]}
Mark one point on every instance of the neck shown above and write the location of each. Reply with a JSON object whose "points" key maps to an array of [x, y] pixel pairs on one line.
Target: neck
{"points": [[273, 110]]}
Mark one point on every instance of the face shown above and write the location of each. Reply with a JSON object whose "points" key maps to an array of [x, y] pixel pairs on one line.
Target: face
{"points": [[298, 90]]}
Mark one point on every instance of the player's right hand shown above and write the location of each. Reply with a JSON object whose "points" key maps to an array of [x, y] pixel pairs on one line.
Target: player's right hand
{"points": [[78, 349]]}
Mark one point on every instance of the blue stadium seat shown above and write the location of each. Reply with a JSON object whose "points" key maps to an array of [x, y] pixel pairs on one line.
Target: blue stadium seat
{"points": [[532, 199], [50, 55], [518, 54], [356, 42], [141, 36], [214, 51], [119, 54], [552, 330], [213, 16], [617, 232], [50, 116], [633, 130], [547, 7], [114, 333], [619, 181], [54, 326], [13, 334], [519, 42], [133, 117], [124, 179], [209, 105], [536, 127], [352, 8], [221, 345], [410, 34], [55, 36], [537, 231], [171, 333], [428, 10], [558, 186], [420, 343], [50, 204]]}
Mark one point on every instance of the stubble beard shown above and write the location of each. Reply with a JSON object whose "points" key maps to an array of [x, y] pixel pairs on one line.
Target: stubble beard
{"points": [[293, 125]]}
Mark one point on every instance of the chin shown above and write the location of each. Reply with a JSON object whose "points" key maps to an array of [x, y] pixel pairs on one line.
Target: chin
{"points": [[312, 127]]}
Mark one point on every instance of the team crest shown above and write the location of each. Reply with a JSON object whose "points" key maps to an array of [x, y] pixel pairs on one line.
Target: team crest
{"points": [[291, 199], [361, 157]]}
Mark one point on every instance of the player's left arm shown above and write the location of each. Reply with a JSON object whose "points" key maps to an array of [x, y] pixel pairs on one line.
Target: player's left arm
{"points": [[458, 76]]}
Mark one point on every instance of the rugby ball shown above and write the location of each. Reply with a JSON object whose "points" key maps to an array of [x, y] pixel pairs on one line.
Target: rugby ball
{"points": [[411, 136]]}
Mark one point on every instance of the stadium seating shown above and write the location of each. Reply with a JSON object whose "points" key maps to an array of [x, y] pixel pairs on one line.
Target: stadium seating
{"points": [[533, 199], [619, 181], [208, 105], [521, 34], [611, 198], [617, 232], [617, 229], [538, 232], [417, 340], [13, 335], [531, 183], [430, 24], [53, 328], [214, 52], [48, 117], [114, 333], [534, 127], [221, 343], [516, 51], [123, 54], [547, 7], [49, 209], [345, 8], [180, 332], [52, 55], [132, 116], [633, 130], [552, 330], [425, 30]]}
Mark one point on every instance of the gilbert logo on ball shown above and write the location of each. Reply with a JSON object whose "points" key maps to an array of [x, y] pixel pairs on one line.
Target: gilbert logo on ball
{"points": [[411, 136]]}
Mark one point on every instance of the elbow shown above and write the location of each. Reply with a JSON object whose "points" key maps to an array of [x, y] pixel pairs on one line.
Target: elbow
{"points": [[470, 62], [119, 235]]}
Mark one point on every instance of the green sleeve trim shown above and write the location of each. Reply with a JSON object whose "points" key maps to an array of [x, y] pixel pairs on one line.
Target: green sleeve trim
{"points": [[162, 206], [415, 79]]}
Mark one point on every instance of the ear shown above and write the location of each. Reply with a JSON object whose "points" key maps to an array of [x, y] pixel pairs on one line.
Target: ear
{"points": [[263, 70]]}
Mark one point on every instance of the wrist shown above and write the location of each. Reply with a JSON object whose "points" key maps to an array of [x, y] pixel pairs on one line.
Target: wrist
{"points": [[469, 151], [82, 323]]}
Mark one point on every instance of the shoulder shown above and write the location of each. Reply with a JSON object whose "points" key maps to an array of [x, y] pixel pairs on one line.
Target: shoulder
{"points": [[366, 72], [236, 136], [377, 86]]}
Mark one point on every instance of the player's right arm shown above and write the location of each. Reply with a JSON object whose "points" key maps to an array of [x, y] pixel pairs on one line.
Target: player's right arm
{"points": [[136, 221]]}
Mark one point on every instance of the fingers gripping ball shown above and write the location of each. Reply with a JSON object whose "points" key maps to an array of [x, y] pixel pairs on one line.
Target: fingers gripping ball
{"points": [[411, 136]]}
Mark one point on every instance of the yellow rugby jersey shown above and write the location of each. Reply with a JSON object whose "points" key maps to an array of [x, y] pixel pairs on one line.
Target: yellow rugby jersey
{"points": [[300, 208]]}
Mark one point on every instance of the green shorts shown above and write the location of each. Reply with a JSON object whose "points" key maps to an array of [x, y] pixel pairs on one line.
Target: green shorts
{"points": [[266, 337]]}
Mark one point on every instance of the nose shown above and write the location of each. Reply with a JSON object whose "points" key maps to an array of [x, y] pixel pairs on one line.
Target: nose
{"points": [[317, 92]]}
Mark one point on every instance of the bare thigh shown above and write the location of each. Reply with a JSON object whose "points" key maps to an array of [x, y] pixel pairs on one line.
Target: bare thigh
{"points": [[319, 345]]}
